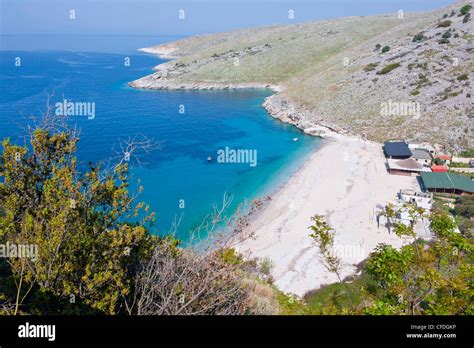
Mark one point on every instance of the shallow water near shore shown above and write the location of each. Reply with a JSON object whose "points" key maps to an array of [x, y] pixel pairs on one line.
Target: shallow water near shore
{"points": [[178, 180]]}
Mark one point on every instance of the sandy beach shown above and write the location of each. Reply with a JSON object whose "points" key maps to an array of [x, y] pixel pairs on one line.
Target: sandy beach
{"points": [[344, 180], [162, 51]]}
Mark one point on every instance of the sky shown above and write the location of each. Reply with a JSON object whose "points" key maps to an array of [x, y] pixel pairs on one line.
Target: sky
{"points": [[161, 17]]}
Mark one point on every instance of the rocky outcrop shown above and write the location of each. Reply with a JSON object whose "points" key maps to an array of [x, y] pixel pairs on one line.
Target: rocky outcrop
{"points": [[282, 109], [154, 82]]}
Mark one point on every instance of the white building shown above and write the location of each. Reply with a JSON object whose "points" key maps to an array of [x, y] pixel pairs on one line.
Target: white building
{"points": [[415, 145], [421, 199], [422, 156]]}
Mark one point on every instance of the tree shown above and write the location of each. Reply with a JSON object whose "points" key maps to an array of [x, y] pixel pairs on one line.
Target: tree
{"points": [[389, 213], [385, 49], [81, 223], [424, 277], [95, 253], [323, 235]]}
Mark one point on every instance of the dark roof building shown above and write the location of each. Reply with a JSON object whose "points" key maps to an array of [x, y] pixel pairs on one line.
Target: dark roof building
{"points": [[421, 155], [447, 183], [396, 150], [406, 166]]}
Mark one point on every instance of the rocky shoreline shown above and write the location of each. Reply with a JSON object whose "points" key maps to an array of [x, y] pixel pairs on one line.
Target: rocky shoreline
{"points": [[156, 83], [282, 109], [276, 105]]}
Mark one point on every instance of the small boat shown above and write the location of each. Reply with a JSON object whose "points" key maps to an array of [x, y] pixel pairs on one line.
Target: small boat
{"points": [[295, 139], [209, 159]]}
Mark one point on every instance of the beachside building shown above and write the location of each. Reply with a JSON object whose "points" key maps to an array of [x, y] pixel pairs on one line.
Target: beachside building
{"points": [[396, 150], [439, 169], [402, 214], [421, 199], [444, 158], [408, 167], [447, 183], [422, 156], [415, 145], [404, 217]]}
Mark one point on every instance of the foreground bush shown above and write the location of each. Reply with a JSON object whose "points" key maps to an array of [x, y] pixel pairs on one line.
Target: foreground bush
{"points": [[94, 250]]}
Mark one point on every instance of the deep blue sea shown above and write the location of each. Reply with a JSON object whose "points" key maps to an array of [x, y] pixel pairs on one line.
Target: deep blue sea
{"points": [[179, 169]]}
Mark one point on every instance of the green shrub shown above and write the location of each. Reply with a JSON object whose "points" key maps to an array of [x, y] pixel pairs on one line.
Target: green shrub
{"points": [[415, 92], [370, 67], [333, 295], [465, 9], [444, 24], [423, 79], [419, 37], [266, 266], [377, 46], [423, 65], [459, 165], [467, 153], [230, 256], [446, 35], [290, 305], [464, 206], [388, 68], [463, 77], [385, 49]]}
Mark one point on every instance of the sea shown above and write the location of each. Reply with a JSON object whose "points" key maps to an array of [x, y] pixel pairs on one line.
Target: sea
{"points": [[184, 128]]}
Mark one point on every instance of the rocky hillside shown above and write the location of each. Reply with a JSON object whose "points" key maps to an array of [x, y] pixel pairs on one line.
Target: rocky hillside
{"points": [[381, 77]]}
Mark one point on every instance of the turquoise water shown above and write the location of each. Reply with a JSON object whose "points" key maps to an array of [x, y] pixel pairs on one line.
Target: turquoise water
{"points": [[179, 169]]}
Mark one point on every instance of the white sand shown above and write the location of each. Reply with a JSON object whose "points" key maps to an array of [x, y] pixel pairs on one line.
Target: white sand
{"points": [[163, 51], [344, 180]]}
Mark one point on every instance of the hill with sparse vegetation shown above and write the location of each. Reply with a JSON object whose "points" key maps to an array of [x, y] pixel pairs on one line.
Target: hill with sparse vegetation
{"points": [[337, 73]]}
